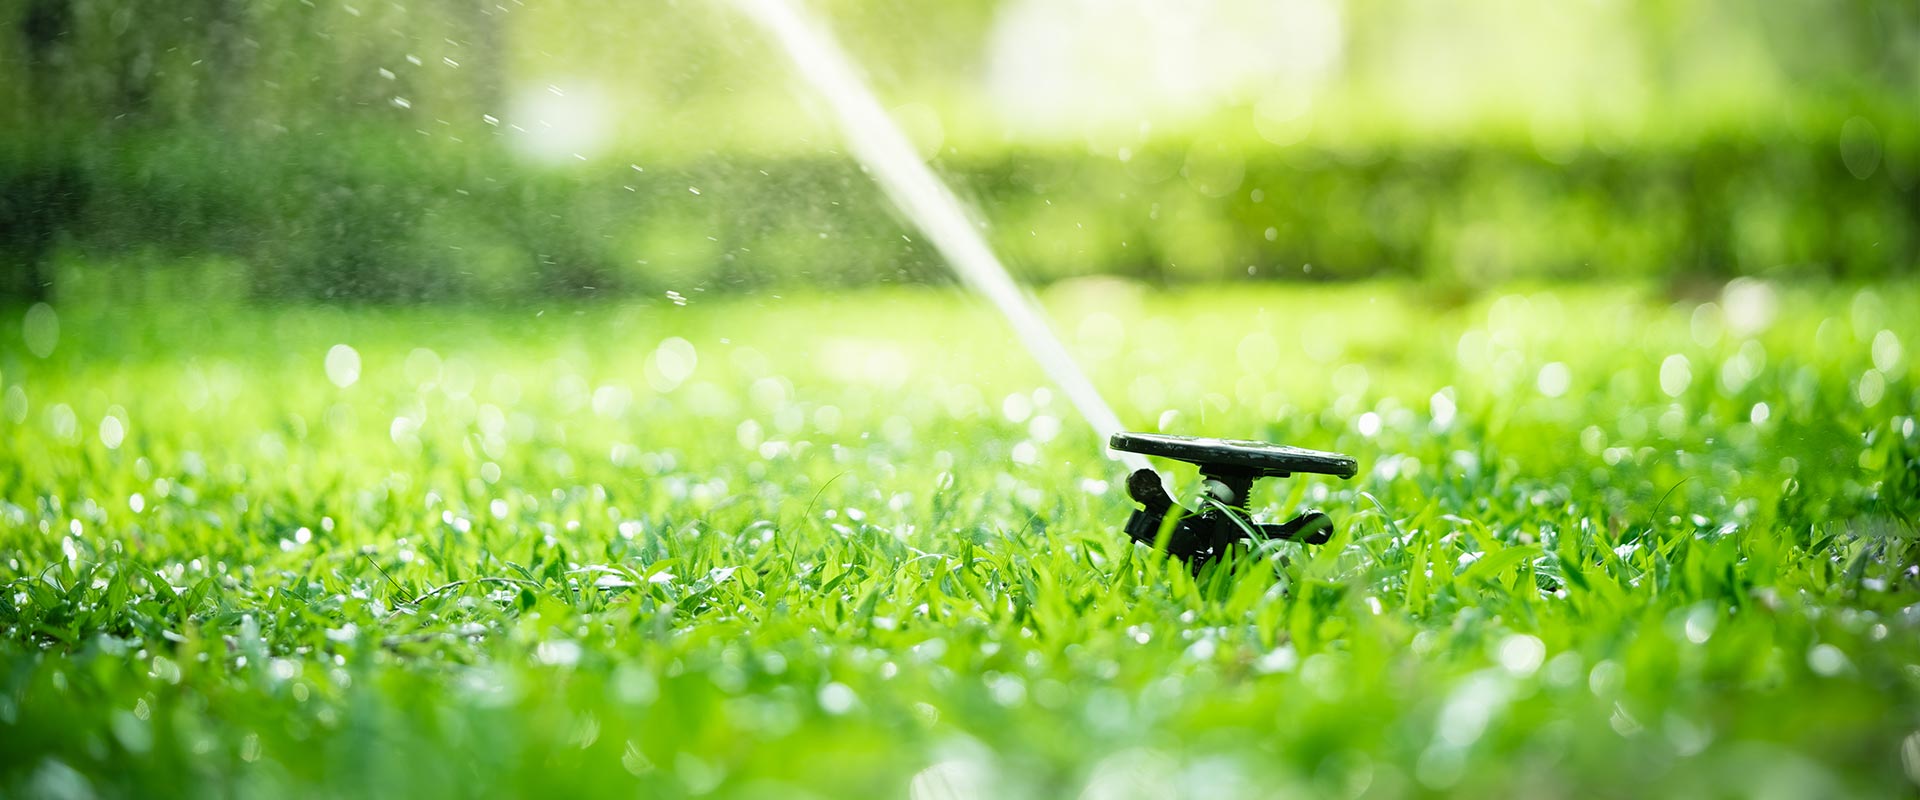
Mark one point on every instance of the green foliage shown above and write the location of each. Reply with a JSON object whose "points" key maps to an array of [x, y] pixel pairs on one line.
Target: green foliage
{"points": [[403, 153], [1605, 542], [356, 217]]}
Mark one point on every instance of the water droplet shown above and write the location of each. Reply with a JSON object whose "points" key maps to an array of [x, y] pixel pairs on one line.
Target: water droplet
{"points": [[1016, 407], [1872, 387], [1910, 756], [1554, 379], [41, 329], [1886, 351], [1368, 424], [112, 432], [343, 365], [671, 364], [1521, 654], [1007, 690], [1700, 624], [837, 698], [558, 653], [64, 423], [1606, 678], [1827, 660], [1860, 147], [1675, 375], [953, 779], [1442, 408], [1749, 305]]}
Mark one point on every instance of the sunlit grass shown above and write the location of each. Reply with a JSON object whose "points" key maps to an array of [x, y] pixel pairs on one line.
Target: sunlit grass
{"points": [[1604, 541]]}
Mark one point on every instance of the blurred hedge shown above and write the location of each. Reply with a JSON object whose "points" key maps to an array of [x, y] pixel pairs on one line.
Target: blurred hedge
{"points": [[333, 150], [362, 216]]}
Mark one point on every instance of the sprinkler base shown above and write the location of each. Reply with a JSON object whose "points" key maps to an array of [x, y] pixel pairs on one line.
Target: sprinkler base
{"points": [[1229, 468]]}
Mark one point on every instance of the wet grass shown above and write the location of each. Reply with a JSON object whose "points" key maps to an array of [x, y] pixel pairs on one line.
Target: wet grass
{"points": [[1604, 543]]}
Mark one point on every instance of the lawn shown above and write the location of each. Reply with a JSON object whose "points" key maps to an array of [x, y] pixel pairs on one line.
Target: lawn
{"points": [[1606, 541]]}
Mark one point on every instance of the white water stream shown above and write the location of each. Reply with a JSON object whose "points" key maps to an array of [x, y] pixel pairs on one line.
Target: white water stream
{"points": [[892, 160]]}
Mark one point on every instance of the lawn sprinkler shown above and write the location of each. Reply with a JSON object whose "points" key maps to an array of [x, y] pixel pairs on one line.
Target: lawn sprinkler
{"points": [[1229, 467]]}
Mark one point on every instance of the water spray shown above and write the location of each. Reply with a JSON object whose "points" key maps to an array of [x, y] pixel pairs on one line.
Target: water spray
{"points": [[1229, 467], [892, 160]]}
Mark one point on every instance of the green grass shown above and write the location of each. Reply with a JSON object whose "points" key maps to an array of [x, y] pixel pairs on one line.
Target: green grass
{"points": [[529, 553]]}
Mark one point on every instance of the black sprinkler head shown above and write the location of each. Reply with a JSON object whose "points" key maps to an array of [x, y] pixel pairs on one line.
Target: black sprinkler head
{"points": [[1230, 466]]}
